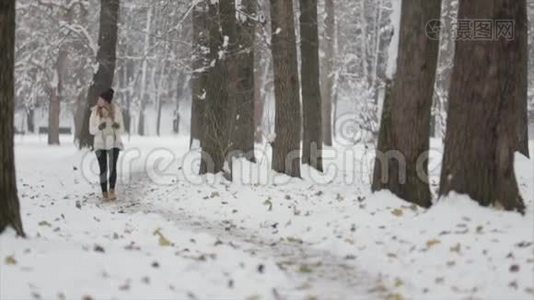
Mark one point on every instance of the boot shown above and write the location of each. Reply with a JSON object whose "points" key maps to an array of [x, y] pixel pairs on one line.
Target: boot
{"points": [[105, 196], [112, 196]]}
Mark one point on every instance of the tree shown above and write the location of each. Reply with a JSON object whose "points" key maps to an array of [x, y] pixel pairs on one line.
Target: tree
{"points": [[244, 127], [144, 72], [48, 44], [481, 136], [521, 88], [106, 57], [9, 201], [328, 81], [55, 93], [401, 165], [286, 145], [217, 111], [363, 33], [200, 65], [263, 69], [312, 143]]}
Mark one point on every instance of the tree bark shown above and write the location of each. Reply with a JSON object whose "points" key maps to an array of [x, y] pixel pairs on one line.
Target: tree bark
{"points": [[199, 79], [403, 157], [263, 68], [217, 111], [259, 94], [9, 201], [30, 119], [521, 91], [382, 167], [144, 73], [54, 110], [159, 101], [244, 129], [55, 94], [312, 143], [329, 76], [286, 145], [482, 126], [106, 57]]}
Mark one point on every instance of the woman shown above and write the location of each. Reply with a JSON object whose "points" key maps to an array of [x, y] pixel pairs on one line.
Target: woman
{"points": [[106, 125]]}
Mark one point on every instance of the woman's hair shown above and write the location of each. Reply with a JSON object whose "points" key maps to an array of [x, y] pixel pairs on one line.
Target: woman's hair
{"points": [[110, 108], [108, 95]]}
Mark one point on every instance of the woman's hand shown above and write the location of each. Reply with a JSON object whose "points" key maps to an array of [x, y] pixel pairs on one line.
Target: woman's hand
{"points": [[102, 126], [116, 125]]}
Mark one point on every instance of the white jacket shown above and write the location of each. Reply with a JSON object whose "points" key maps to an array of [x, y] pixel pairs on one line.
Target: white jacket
{"points": [[108, 138]]}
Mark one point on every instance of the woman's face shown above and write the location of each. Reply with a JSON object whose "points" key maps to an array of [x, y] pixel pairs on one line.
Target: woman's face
{"points": [[101, 102]]}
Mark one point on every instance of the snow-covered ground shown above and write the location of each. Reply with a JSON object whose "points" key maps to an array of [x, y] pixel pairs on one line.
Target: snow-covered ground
{"points": [[174, 235]]}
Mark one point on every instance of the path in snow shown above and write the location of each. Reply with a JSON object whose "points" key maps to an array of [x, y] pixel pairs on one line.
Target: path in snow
{"points": [[329, 276]]}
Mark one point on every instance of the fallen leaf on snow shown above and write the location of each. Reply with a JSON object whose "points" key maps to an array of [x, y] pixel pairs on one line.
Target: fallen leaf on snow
{"points": [[432, 242], [456, 248], [514, 268], [397, 212], [163, 241], [269, 204], [305, 269], [99, 248], [10, 260], [45, 223]]}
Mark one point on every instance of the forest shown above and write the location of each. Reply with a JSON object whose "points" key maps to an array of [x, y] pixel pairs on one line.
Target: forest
{"points": [[266, 149]]}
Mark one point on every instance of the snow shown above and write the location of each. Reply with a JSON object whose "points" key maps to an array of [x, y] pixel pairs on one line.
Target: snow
{"points": [[175, 235]]}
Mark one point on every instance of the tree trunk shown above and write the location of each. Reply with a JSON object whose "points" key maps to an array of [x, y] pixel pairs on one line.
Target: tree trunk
{"points": [[180, 91], [144, 72], [30, 119], [312, 143], [9, 201], [382, 168], [286, 146], [243, 133], [329, 76], [159, 102], [55, 95], [482, 130], [404, 156], [215, 138], [521, 89], [106, 57], [78, 115], [131, 79], [259, 97], [200, 65], [54, 109], [262, 70]]}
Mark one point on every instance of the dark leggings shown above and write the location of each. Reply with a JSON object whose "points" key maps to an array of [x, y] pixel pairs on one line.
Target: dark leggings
{"points": [[103, 157]]}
